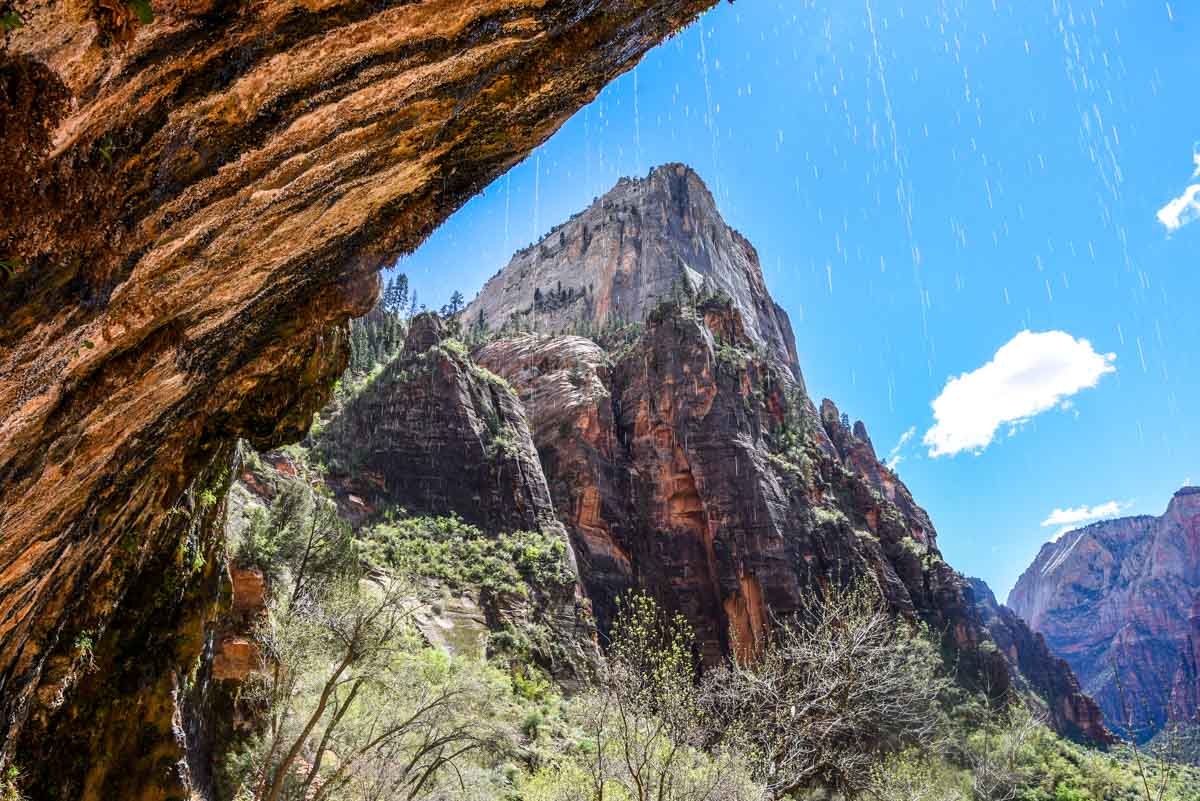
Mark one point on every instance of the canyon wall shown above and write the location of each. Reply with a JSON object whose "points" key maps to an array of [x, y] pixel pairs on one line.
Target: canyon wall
{"points": [[1119, 601], [686, 459], [190, 210]]}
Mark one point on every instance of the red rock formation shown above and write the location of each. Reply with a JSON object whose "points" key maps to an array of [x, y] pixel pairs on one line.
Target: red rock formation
{"points": [[1040, 674], [434, 434], [1120, 595], [691, 463], [196, 206]]}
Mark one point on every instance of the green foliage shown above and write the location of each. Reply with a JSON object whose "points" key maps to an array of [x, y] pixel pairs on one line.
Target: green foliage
{"points": [[302, 533], [10, 21], [455, 347], [374, 340], [644, 732], [10, 784], [461, 556], [504, 443], [10, 267], [85, 651], [142, 10]]}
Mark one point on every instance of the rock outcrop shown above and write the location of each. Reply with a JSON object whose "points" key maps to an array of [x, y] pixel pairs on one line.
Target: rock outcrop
{"points": [[1118, 600], [1038, 673], [644, 240], [689, 461], [190, 209], [434, 434]]}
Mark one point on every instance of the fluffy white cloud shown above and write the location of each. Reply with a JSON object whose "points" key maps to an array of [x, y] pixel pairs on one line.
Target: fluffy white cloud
{"points": [[894, 457], [1032, 373], [1185, 208], [1071, 518]]}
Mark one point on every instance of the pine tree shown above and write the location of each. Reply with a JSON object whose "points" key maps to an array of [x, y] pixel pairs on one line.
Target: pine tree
{"points": [[401, 294], [389, 294], [456, 303], [412, 309]]}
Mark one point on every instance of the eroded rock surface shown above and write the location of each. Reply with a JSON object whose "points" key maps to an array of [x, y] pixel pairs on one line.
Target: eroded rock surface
{"points": [[642, 241], [195, 206], [433, 435], [1118, 600], [1039, 673], [690, 462]]}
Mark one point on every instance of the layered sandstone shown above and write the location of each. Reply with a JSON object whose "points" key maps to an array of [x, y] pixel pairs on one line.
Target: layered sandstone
{"points": [[433, 435], [644, 240], [1118, 600], [192, 208], [689, 461]]}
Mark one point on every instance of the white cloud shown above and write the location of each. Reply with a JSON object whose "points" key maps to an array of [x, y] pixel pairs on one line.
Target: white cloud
{"points": [[894, 458], [1182, 210], [1185, 208], [1030, 374], [1071, 518]]}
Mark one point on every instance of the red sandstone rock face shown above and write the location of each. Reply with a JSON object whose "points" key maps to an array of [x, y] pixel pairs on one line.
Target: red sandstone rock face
{"points": [[433, 434], [1039, 673], [679, 483], [1122, 595], [198, 205], [691, 463]]}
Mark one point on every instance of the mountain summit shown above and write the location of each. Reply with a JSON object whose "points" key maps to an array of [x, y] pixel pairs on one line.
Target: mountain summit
{"points": [[1120, 601], [641, 242]]}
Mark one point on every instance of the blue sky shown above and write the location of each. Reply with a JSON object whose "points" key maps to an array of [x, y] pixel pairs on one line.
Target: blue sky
{"points": [[924, 181]]}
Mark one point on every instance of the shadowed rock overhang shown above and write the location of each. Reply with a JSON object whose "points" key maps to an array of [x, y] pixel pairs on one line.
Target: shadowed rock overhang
{"points": [[190, 210]]}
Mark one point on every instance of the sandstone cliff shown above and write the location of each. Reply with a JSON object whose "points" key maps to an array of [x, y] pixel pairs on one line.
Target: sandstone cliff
{"points": [[687, 459], [642, 241], [689, 467], [1118, 601], [434, 434], [1039, 673], [190, 209]]}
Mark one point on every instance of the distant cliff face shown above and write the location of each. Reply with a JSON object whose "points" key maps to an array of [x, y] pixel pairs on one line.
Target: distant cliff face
{"points": [[433, 434], [1119, 601], [1038, 672], [643, 241]]}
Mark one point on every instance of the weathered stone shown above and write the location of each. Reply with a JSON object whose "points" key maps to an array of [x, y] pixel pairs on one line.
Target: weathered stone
{"points": [[196, 206], [1040, 674], [1118, 600], [691, 464], [643, 241], [433, 434]]}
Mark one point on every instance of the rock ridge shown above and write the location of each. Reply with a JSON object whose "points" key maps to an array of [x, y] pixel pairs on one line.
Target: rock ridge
{"points": [[1117, 600]]}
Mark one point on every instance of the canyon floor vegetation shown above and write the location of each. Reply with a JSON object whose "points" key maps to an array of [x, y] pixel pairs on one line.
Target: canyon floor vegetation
{"points": [[842, 701]]}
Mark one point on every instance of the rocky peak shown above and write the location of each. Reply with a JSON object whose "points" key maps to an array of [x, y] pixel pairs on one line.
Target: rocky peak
{"points": [[1117, 600], [686, 464], [645, 240], [424, 332]]}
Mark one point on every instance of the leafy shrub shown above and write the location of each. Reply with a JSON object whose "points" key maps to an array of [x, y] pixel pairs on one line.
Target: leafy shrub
{"points": [[460, 555]]}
